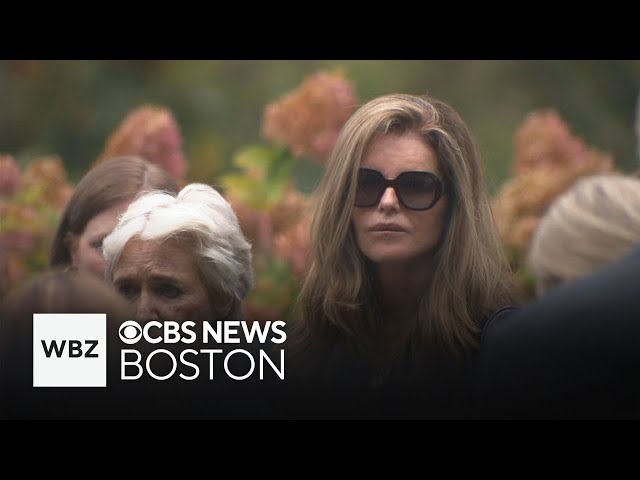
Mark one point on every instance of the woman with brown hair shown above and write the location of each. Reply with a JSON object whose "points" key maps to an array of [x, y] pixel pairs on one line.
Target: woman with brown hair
{"points": [[97, 201], [407, 265]]}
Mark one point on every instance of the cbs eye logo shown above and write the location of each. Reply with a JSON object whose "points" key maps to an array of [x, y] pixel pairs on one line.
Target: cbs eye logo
{"points": [[130, 332]]}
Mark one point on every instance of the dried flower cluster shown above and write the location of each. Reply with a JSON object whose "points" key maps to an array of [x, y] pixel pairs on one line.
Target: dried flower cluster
{"points": [[548, 160], [545, 140], [309, 118], [152, 133]]}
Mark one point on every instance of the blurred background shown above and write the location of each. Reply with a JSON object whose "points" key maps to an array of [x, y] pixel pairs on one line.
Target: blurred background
{"points": [[576, 116], [69, 108]]}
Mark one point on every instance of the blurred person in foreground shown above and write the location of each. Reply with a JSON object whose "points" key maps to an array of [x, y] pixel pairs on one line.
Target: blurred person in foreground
{"points": [[592, 224], [56, 291], [575, 353]]}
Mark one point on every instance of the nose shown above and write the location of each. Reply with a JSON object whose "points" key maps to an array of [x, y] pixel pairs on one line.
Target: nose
{"points": [[389, 200], [145, 307]]}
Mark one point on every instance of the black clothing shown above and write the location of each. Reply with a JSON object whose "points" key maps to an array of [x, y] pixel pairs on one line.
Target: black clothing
{"points": [[573, 354], [342, 383]]}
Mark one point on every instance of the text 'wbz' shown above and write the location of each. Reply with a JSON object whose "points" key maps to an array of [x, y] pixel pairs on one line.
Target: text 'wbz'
{"points": [[163, 363]]}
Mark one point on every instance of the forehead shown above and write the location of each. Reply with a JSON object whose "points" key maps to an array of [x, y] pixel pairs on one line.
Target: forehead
{"points": [[106, 220], [392, 154], [171, 258]]}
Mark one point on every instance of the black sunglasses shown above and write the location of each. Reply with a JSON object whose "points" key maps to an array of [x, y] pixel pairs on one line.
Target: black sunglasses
{"points": [[415, 190]]}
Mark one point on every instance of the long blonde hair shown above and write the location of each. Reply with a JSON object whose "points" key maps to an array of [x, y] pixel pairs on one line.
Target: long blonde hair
{"points": [[471, 277]]}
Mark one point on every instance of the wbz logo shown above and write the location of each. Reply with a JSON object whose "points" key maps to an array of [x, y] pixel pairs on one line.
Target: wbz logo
{"points": [[69, 350], [75, 348]]}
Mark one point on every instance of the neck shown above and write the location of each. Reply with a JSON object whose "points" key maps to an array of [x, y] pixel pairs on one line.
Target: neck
{"points": [[403, 285]]}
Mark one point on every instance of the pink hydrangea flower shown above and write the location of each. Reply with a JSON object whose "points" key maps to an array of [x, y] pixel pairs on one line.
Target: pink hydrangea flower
{"points": [[309, 118], [10, 178], [152, 133]]}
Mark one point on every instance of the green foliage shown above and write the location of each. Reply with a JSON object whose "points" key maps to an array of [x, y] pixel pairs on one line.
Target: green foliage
{"points": [[275, 289], [265, 175]]}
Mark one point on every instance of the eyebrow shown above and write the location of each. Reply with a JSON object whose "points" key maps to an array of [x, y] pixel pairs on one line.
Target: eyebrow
{"points": [[101, 233], [157, 278], [125, 278], [166, 279]]}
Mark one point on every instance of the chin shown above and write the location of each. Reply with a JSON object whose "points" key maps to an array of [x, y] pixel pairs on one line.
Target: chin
{"points": [[389, 255]]}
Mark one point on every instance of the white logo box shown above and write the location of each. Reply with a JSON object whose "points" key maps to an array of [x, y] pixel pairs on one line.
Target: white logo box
{"points": [[76, 343]]}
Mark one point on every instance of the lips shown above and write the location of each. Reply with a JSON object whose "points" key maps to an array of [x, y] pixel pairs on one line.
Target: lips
{"points": [[387, 227]]}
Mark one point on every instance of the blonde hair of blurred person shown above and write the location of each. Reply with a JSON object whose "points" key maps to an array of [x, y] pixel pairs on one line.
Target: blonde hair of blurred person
{"points": [[592, 224], [172, 236], [93, 209]]}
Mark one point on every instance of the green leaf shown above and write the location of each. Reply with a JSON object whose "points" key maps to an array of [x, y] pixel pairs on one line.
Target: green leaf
{"points": [[247, 190], [267, 173], [255, 157], [281, 166]]}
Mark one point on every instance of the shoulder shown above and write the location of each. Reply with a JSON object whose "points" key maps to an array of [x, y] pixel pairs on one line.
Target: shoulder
{"points": [[600, 308], [573, 353], [495, 319]]}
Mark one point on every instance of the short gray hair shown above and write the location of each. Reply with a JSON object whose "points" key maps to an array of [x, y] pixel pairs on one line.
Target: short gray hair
{"points": [[204, 217]]}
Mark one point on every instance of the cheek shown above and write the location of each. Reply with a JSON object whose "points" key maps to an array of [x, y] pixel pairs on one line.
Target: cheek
{"points": [[195, 307], [432, 225], [358, 220]]}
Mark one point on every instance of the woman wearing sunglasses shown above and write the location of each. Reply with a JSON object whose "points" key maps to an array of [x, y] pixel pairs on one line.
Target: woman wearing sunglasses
{"points": [[407, 268]]}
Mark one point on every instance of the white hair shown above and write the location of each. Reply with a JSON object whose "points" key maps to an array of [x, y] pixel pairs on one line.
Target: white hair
{"points": [[592, 224], [203, 216]]}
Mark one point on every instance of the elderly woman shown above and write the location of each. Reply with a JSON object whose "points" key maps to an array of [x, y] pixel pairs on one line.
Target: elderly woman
{"points": [[180, 257], [407, 266]]}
